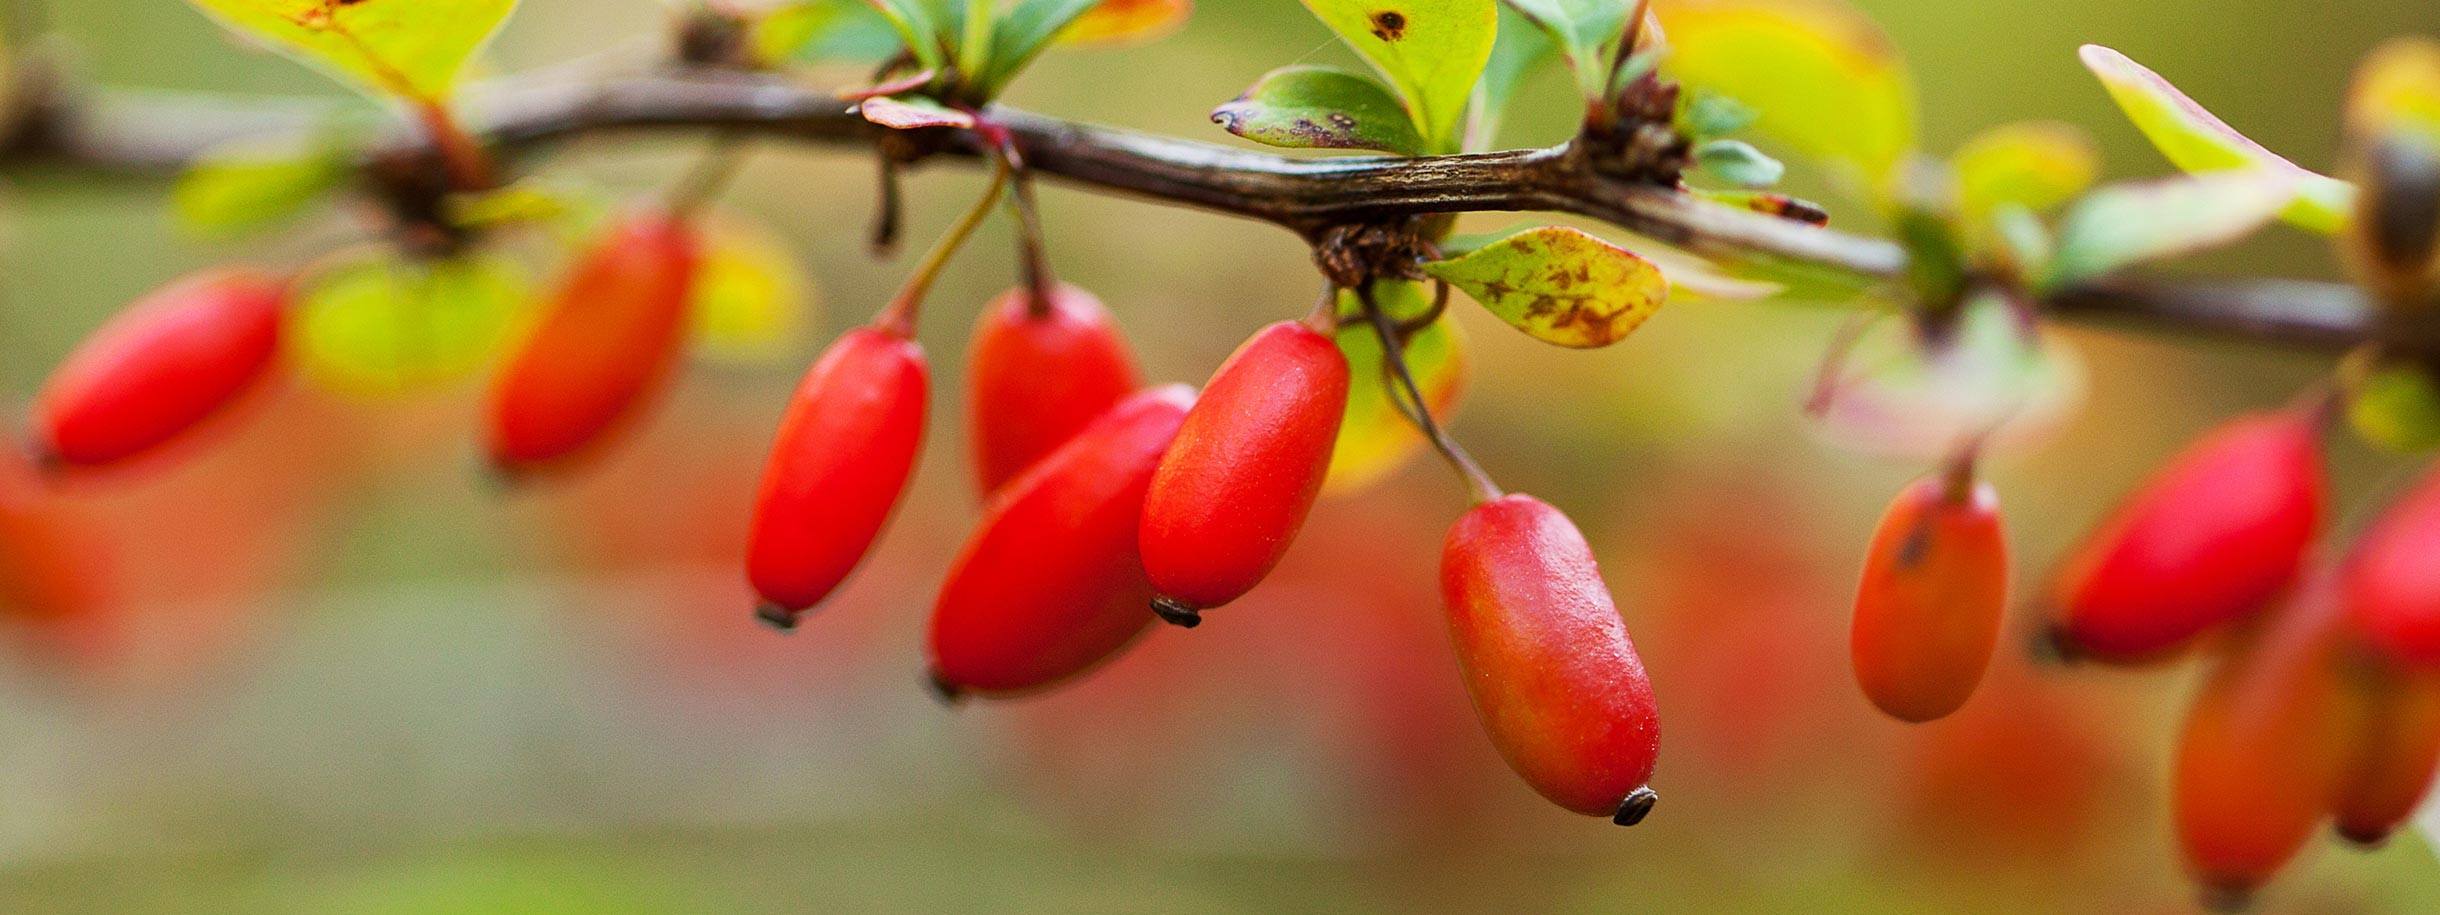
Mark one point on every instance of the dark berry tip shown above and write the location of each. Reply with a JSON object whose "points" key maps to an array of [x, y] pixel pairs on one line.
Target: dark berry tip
{"points": [[2220, 897], [1176, 613], [2052, 645], [950, 694], [2362, 838], [1637, 806], [777, 617]]}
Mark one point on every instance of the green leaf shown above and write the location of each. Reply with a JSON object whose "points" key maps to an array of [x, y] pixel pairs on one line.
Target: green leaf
{"points": [[2037, 166], [1518, 49], [1710, 114], [1827, 84], [1374, 438], [1313, 107], [374, 323], [412, 49], [751, 302], [1586, 32], [248, 186], [1738, 162], [2125, 224], [815, 30], [2198, 141], [2397, 408], [1432, 50], [1023, 32], [1560, 285], [922, 28]]}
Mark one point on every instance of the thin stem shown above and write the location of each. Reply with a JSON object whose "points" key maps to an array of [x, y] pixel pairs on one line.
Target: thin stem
{"points": [[898, 316], [468, 163], [1032, 258], [1413, 405]]}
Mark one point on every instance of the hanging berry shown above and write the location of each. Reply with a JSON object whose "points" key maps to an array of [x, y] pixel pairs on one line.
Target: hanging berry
{"points": [[2263, 749], [1232, 492], [605, 346], [2396, 751], [1051, 582], [2392, 577], [2215, 535], [170, 361], [1555, 678], [1041, 368], [1928, 610], [841, 461]]}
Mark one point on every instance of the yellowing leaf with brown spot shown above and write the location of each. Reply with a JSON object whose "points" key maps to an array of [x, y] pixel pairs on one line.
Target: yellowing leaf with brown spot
{"points": [[1826, 82], [1560, 285], [409, 48], [1431, 50]]}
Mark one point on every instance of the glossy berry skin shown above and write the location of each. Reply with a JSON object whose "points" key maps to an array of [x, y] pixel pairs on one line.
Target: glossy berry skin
{"points": [[1555, 679], [841, 461], [170, 361], [2263, 750], [1927, 613], [605, 346], [1039, 374], [2392, 578], [2215, 535], [1050, 584], [1232, 492], [2397, 750]]}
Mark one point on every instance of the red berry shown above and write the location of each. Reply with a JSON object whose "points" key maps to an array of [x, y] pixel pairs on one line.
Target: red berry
{"points": [[2392, 578], [2215, 535], [2397, 750], [844, 452], [604, 347], [1245, 470], [2259, 760], [1927, 613], [170, 361], [1555, 679], [1040, 372], [1051, 583]]}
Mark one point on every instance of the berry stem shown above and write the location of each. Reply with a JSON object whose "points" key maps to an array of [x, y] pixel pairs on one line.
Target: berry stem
{"points": [[709, 176], [889, 210], [1408, 398], [469, 165], [898, 317], [1040, 282]]}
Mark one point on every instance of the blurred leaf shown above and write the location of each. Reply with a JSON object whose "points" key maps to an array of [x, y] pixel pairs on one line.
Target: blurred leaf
{"points": [[1560, 285], [1709, 114], [247, 186], [912, 112], [1738, 162], [2037, 166], [824, 30], [1432, 50], [375, 323], [526, 201], [1320, 108], [1586, 33], [1518, 48], [2125, 224], [751, 302], [1694, 277], [1823, 78], [1127, 21], [1023, 32], [2196, 140], [409, 48], [1374, 438], [1897, 394], [922, 28], [2397, 408]]}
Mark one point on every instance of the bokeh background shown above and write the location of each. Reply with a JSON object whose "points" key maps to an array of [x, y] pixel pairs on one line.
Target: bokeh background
{"points": [[340, 673]]}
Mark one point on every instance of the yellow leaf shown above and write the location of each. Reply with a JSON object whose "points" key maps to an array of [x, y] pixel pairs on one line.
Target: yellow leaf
{"points": [[2198, 141], [1825, 81], [413, 49], [751, 301], [1560, 285], [374, 323], [2037, 166], [1128, 21], [2397, 87]]}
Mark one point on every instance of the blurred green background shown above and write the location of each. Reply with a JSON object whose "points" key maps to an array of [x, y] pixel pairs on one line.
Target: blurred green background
{"points": [[347, 676]]}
